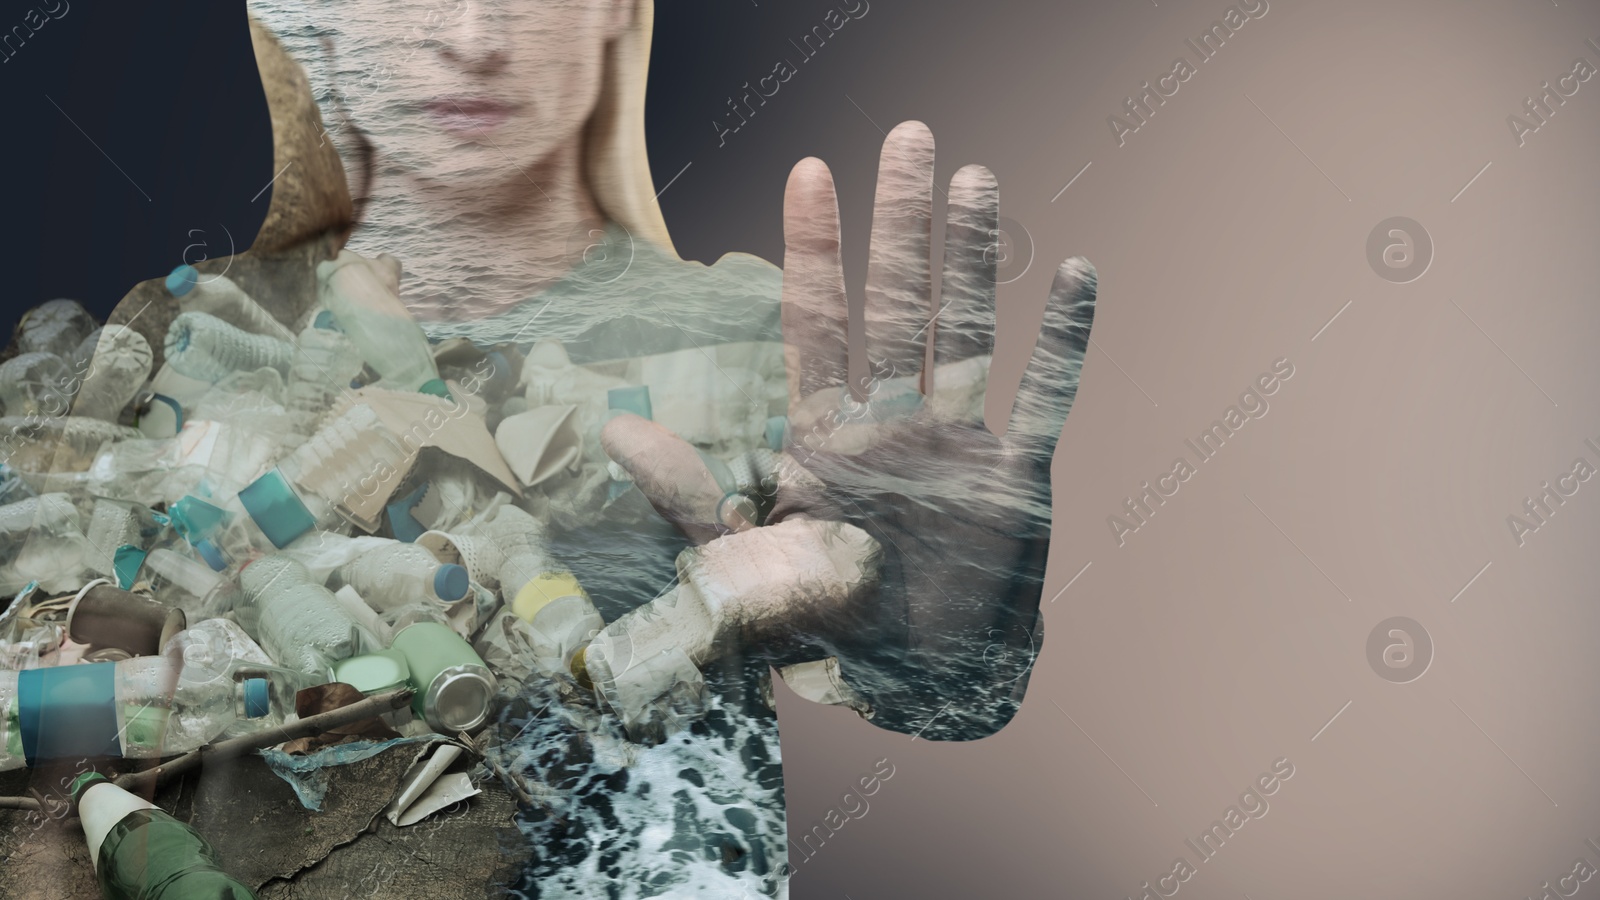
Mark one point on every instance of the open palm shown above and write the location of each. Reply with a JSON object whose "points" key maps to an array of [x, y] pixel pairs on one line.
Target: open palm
{"points": [[961, 515]]}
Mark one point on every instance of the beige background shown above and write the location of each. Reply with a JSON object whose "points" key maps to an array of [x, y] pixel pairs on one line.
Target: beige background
{"points": [[1211, 643]]}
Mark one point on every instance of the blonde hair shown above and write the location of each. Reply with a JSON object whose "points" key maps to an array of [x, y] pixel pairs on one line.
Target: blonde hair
{"points": [[616, 162]]}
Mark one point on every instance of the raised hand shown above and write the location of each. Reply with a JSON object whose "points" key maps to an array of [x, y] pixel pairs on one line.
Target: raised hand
{"points": [[963, 515]]}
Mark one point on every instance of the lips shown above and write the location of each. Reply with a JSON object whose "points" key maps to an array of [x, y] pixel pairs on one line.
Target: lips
{"points": [[469, 117]]}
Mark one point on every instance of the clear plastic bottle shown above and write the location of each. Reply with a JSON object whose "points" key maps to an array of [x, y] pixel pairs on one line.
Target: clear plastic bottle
{"points": [[141, 708], [367, 306], [399, 574], [322, 370], [204, 347], [55, 326], [48, 512], [187, 584], [351, 465], [219, 296], [112, 526], [43, 540], [296, 621], [560, 633], [223, 698], [35, 384], [13, 487], [110, 365]]}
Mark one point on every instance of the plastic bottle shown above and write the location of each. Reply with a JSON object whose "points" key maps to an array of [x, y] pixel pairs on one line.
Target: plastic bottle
{"points": [[205, 348], [140, 708], [561, 631], [736, 591], [141, 853], [55, 327], [13, 488], [186, 583], [219, 296], [367, 306], [205, 643], [35, 384], [41, 537], [527, 575], [47, 512], [219, 697], [111, 364], [297, 621], [399, 575], [112, 526], [349, 460], [322, 370]]}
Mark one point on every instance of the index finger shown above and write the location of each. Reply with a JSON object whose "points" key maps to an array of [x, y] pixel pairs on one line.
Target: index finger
{"points": [[815, 311]]}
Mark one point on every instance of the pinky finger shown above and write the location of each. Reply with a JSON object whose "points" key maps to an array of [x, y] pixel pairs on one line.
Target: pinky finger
{"points": [[1050, 382]]}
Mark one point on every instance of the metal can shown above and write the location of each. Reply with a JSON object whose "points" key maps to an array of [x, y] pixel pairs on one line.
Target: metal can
{"points": [[454, 689]]}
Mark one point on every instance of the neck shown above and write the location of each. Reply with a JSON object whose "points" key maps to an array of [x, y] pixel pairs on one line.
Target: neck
{"points": [[471, 251]]}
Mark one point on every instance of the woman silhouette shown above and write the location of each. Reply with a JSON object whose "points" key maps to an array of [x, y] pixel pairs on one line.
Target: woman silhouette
{"points": [[496, 153]]}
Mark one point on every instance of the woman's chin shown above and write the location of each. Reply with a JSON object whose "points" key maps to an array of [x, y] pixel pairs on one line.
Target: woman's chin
{"points": [[438, 157]]}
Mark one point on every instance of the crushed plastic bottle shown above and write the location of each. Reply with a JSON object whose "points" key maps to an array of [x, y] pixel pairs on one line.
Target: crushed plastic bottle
{"points": [[53, 327], [322, 370], [110, 365], [351, 457], [49, 512], [205, 348], [185, 583], [35, 384], [296, 620], [141, 853], [736, 591], [364, 299], [113, 525], [44, 540], [219, 296]]}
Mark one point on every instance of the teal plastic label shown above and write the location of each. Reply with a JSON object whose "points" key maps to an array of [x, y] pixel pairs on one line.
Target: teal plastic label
{"points": [[68, 711]]}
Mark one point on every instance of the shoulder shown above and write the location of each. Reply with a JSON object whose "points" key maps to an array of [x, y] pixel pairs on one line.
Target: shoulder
{"points": [[732, 275]]}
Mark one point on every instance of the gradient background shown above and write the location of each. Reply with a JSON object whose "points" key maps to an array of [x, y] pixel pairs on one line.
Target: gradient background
{"points": [[1231, 630]]}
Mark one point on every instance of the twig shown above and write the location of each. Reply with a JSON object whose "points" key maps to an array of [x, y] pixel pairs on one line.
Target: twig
{"points": [[229, 749], [235, 747]]}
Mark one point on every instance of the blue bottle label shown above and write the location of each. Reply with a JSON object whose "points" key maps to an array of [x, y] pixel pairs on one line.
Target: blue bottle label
{"points": [[68, 711]]}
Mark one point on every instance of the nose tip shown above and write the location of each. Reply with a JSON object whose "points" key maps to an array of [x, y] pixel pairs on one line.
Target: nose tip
{"points": [[477, 60], [469, 40]]}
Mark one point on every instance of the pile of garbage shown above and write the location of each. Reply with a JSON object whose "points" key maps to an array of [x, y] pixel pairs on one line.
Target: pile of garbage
{"points": [[281, 520]]}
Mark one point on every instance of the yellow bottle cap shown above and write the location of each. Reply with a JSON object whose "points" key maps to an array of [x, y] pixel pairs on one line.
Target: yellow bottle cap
{"points": [[580, 670], [538, 593]]}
